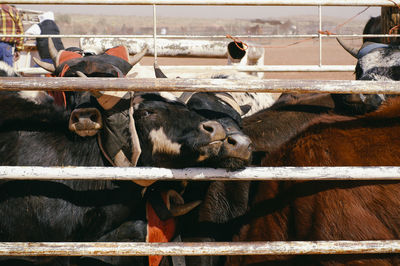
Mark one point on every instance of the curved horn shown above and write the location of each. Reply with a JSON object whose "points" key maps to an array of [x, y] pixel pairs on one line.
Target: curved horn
{"points": [[158, 72], [53, 51], [137, 57], [351, 50], [183, 209], [47, 66], [81, 74], [176, 206]]}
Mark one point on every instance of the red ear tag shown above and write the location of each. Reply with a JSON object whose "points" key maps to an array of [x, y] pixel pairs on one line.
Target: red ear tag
{"points": [[119, 51], [67, 55], [158, 230]]}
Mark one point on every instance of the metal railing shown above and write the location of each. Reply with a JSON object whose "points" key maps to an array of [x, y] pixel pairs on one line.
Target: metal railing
{"points": [[320, 67], [281, 173]]}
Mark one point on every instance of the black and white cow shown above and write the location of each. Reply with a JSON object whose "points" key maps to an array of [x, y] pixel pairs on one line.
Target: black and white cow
{"points": [[375, 61]]}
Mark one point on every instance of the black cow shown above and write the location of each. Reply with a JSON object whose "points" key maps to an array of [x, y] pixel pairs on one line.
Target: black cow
{"points": [[91, 210]]}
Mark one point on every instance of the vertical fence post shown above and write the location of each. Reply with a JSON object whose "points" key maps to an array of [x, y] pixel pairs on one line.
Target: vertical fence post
{"points": [[155, 32], [319, 34]]}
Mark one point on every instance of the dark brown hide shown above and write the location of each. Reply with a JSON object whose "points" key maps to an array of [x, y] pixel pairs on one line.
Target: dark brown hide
{"points": [[329, 210], [290, 115]]}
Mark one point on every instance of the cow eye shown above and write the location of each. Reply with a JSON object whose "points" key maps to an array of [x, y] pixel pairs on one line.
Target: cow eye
{"points": [[145, 113]]}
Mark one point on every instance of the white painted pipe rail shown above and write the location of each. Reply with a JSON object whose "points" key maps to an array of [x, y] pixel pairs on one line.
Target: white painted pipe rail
{"points": [[200, 174], [219, 69], [203, 37], [207, 85], [197, 248], [208, 2]]}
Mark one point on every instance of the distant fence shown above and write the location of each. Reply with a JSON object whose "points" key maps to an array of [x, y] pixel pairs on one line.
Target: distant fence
{"points": [[206, 45]]}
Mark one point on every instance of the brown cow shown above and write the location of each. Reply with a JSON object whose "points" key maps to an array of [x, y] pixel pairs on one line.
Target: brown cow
{"points": [[327, 210]]}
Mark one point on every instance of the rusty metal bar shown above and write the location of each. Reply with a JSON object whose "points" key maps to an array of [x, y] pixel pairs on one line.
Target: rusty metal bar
{"points": [[207, 2], [200, 174], [210, 85], [199, 248], [217, 69]]}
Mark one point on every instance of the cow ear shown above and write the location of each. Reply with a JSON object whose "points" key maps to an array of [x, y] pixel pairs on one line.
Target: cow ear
{"points": [[245, 108]]}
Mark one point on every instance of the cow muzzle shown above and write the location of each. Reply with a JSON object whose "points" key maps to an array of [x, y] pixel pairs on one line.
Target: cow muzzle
{"points": [[238, 145], [216, 135], [85, 122]]}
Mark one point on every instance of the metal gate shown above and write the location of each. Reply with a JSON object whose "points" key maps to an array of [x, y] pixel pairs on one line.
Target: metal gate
{"points": [[258, 173]]}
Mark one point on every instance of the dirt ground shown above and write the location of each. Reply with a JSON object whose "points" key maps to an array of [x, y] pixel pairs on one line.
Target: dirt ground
{"points": [[282, 52]]}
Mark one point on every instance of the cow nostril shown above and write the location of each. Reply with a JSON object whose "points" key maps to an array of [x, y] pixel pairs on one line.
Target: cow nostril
{"points": [[74, 118], [94, 117], [208, 128], [232, 141], [213, 129]]}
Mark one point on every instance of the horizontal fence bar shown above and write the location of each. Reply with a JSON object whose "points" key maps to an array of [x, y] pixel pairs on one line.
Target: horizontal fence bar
{"points": [[203, 37], [208, 2], [199, 174], [197, 249], [219, 69], [208, 85]]}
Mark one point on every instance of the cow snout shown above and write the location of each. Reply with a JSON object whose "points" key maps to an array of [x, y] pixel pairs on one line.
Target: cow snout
{"points": [[238, 146], [213, 129], [85, 122]]}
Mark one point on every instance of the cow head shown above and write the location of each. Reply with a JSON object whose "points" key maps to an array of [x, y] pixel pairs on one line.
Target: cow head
{"points": [[111, 63], [236, 150], [375, 61], [155, 129], [115, 62]]}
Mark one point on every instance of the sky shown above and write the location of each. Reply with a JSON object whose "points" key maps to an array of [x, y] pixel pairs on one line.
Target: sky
{"points": [[225, 12]]}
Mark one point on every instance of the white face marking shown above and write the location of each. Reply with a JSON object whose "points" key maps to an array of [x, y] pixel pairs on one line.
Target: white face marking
{"points": [[161, 143]]}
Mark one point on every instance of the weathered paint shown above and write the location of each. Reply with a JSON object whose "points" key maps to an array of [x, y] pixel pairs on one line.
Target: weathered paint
{"points": [[250, 173], [208, 2], [210, 85], [197, 248]]}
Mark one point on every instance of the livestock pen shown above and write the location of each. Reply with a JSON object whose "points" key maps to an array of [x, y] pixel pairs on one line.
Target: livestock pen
{"points": [[257, 173]]}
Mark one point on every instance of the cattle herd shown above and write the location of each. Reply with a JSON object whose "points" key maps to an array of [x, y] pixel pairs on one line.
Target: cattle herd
{"points": [[200, 129]]}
